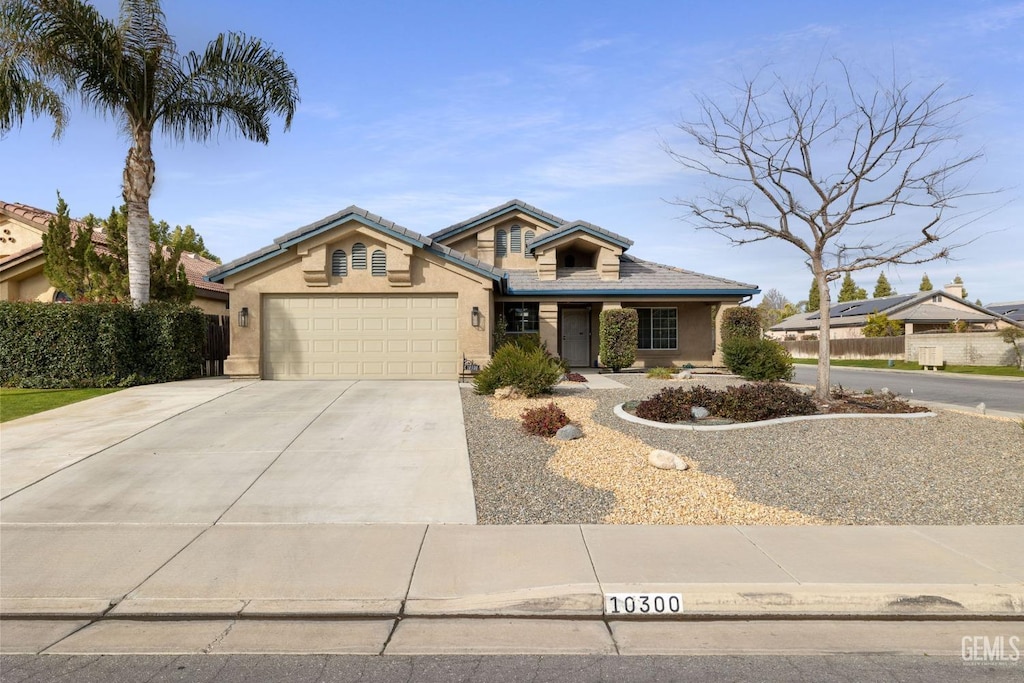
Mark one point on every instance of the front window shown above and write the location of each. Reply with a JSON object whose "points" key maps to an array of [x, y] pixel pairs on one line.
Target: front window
{"points": [[657, 328], [521, 318]]}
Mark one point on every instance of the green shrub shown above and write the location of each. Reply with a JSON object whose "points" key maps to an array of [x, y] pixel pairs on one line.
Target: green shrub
{"points": [[661, 373], [669, 405], [763, 401], [98, 345], [618, 337], [544, 421], [741, 322], [879, 325], [757, 359], [531, 372]]}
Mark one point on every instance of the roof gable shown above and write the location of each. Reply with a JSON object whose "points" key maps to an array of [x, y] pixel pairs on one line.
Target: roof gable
{"points": [[508, 207], [364, 217], [600, 233]]}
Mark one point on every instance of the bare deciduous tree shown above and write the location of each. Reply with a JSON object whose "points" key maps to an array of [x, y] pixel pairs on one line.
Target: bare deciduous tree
{"points": [[824, 164]]}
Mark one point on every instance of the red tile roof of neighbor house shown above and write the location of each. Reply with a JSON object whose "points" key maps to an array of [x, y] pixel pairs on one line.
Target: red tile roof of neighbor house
{"points": [[196, 266]]}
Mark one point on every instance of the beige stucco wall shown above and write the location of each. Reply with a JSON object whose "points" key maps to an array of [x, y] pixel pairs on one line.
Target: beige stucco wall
{"points": [[480, 243], [26, 282], [210, 306], [17, 236], [298, 271]]}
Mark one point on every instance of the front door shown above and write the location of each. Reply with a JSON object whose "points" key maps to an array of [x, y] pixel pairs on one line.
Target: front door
{"points": [[576, 336]]}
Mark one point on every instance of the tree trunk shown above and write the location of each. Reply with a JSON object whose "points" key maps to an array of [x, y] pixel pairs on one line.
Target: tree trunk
{"points": [[139, 176], [824, 333]]}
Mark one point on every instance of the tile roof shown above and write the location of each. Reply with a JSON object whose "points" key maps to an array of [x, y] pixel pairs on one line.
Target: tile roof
{"points": [[281, 244], [511, 205], [934, 313], [635, 275], [195, 265], [583, 226]]}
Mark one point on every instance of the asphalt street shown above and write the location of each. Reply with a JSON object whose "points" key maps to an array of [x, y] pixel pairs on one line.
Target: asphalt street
{"points": [[508, 669], [962, 390]]}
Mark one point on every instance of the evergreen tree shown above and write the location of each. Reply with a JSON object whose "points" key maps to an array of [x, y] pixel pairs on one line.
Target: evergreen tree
{"points": [[813, 298], [883, 288], [66, 252], [977, 302], [926, 284], [187, 239], [960, 281], [850, 291]]}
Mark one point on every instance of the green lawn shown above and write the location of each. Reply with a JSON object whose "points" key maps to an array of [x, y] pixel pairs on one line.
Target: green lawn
{"points": [[15, 403], [999, 371]]}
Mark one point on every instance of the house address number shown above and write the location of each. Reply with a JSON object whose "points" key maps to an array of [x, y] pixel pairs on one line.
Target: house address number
{"points": [[634, 604]]}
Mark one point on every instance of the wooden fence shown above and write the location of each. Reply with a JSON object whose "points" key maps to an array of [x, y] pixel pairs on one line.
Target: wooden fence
{"points": [[218, 343], [865, 347]]}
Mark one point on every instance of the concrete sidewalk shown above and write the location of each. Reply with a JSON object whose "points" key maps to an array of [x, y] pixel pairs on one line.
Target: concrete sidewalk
{"points": [[103, 588]]}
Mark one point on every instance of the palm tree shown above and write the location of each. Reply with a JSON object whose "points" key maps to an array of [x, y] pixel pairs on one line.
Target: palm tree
{"points": [[132, 70], [25, 83]]}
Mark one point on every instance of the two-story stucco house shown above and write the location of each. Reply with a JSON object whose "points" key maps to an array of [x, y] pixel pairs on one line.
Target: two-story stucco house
{"points": [[354, 295]]}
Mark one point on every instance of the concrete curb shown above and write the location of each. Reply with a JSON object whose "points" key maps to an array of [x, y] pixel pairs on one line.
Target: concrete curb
{"points": [[929, 373], [700, 601], [620, 412]]}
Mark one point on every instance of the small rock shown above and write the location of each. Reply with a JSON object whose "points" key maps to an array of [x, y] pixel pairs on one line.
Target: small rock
{"points": [[686, 374], [569, 432], [503, 393], [885, 391], [664, 460], [981, 408], [699, 413]]}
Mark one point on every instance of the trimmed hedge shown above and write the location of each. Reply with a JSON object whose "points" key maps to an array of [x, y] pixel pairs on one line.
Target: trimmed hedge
{"points": [[757, 359], [741, 323], [98, 345], [618, 337]]}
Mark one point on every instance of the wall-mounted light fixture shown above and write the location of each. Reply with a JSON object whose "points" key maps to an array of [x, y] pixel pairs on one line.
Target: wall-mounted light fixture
{"points": [[243, 317], [474, 316]]}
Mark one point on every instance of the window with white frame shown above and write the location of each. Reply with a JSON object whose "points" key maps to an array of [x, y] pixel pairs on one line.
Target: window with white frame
{"points": [[657, 329]]}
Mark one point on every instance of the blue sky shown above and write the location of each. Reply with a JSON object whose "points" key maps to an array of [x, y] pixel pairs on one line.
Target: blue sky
{"points": [[428, 112]]}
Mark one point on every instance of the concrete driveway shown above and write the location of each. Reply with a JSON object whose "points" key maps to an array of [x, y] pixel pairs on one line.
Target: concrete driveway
{"points": [[211, 451]]}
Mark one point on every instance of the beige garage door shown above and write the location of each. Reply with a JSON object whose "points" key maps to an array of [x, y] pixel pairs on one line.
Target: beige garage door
{"points": [[368, 337]]}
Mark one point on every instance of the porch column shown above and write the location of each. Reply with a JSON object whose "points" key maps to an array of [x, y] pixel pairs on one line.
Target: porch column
{"points": [[548, 326]]}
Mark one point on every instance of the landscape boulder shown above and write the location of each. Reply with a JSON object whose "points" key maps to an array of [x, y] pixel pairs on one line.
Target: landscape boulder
{"points": [[699, 413], [569, 432], [503, 393], [664, 460]]}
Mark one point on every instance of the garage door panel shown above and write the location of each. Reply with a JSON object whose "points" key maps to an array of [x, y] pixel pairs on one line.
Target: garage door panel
{"points": [[350, 337]]}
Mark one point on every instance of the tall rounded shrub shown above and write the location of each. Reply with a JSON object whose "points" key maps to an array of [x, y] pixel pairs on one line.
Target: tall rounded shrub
{"points": [[530, 371], [741, 322], [618, 337], [757, 359]]}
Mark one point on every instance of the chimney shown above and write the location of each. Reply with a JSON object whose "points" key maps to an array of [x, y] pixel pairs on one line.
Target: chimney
{"points": [[955, 289]]}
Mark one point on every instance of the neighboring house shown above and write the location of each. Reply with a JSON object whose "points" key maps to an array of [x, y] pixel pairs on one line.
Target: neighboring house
{"points": [[22, 261], [923, 312], [354, 295], [1014, 310]]}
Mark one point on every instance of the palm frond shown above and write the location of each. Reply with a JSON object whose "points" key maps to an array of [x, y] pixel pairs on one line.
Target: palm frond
{"points": [[239, 82], [29, 80]]}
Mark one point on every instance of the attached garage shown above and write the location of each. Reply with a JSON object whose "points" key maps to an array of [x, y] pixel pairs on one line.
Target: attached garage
{"points": [[360, 337]]}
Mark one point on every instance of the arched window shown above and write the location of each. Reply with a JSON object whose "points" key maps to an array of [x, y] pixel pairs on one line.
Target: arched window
{"points": [[517, 239], [500, 244], [379, 263], [529, 235], [339, 263], [358, 256]]}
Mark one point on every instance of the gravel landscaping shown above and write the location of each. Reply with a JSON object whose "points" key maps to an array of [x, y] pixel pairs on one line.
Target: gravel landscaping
{"points": [[951, 469]]}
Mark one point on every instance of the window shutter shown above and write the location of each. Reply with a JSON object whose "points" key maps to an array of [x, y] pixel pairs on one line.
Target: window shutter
{"points": [[517, 239], [529, 235], [339, 263], [358, 256], [379, 263], [500, 246]]}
